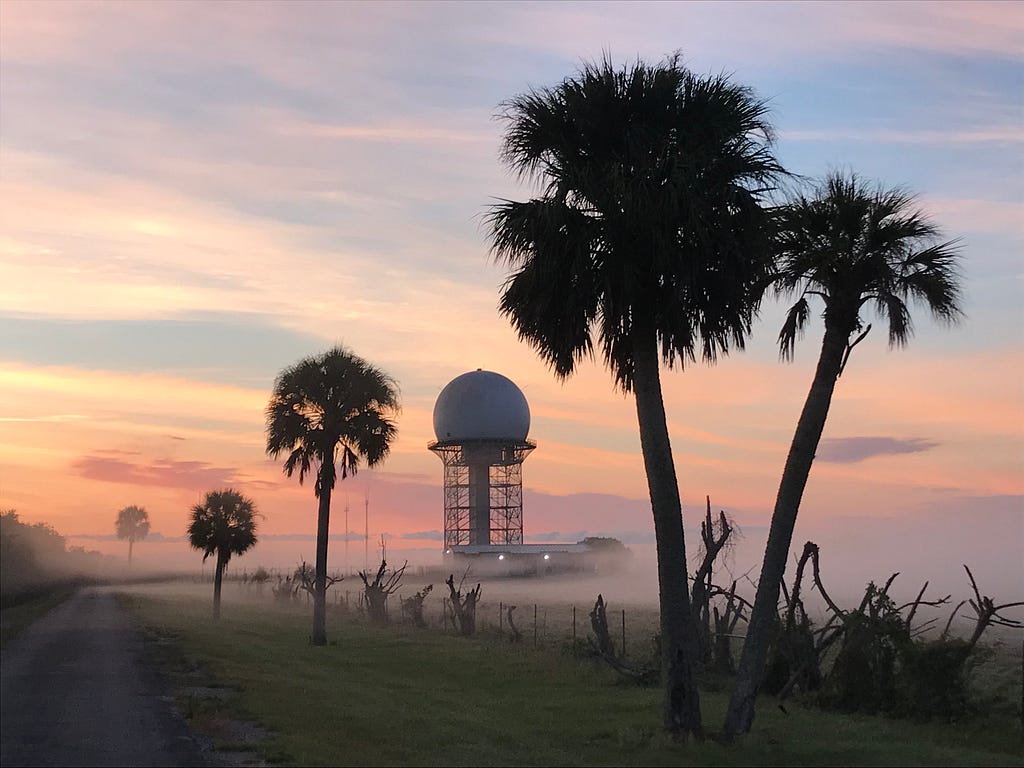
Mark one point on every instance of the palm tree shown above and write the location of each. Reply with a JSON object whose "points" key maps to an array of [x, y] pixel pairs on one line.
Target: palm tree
{"points": [[648, 239], [333, 408], [225, 525], [133, 525], [852, 247]]}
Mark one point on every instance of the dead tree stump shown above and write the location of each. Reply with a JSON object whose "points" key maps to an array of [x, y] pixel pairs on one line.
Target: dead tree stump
{"points": [[413, 607], [376, 592], [463, 607]]}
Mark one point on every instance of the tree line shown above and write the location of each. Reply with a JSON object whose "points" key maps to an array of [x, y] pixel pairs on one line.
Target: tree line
{"points": [[35, 555]]}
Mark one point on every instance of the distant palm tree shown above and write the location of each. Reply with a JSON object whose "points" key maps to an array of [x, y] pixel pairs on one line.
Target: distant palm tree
{"points": [[133, 525], [325, 409], [650, 236], [850, 246], [224, 525]]}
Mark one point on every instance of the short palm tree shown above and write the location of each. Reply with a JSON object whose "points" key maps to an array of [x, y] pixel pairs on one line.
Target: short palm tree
{"points": [[133, 525], [649, 241], [852, 247], [223, 525], [327, 410]]}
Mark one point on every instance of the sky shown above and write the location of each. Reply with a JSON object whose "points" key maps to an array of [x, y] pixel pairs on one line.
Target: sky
{"points": [[195, 195]]}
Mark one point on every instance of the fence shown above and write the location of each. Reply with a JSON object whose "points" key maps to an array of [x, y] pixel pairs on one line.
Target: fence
{"points": [[540, 624]]}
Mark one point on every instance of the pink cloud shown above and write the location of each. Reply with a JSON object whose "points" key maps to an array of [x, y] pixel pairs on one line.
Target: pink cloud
{"points": [[853, 449], [165, 473], [972, 215]]}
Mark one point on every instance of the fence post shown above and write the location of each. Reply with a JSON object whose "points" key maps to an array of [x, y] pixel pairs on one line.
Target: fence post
{"points": [[623, 632], [534, 625], [501, 606], [574, 630]]}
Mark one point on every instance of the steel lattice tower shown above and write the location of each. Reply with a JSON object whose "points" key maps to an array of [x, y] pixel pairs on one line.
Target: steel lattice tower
{"points": [[483, 490]]}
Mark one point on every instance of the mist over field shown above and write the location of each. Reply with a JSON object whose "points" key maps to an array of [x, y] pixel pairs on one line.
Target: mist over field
{"points": [[930, 547]]}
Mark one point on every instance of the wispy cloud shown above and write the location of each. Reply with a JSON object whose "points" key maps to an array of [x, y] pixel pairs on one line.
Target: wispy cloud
{"points": [[57, 417], [164, 473], [401, 134], [1012, 134], [844, 450], [775, 35], [153, 537], [425, 535], [350, 536], [974, 215]]}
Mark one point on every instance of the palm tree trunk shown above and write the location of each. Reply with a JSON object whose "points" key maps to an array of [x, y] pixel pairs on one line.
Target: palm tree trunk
{"points": [[740, 715], [681, 703], [323, 527], [131, 543], [218, 578]]}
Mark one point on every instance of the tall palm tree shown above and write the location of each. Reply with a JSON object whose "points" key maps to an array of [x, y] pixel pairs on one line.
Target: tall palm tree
{"points": [[133, 525], [225, 525], [852, 247], [648, 239], [325, 410]]}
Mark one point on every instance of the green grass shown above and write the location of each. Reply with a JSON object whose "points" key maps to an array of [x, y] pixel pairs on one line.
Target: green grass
{"points": [[400, 696], [20, 610]]}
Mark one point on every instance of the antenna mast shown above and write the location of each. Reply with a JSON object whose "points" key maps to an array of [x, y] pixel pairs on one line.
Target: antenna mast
{"points": [[346, 534]]}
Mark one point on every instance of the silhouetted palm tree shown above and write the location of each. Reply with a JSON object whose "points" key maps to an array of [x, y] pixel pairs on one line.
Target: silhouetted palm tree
{"points": [[334, 407], [224, 525], [648, 235], [850, 246], [133, 525]]}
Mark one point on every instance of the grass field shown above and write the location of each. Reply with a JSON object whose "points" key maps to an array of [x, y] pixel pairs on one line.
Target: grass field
{"points": [[20, 610], [401, 696]]}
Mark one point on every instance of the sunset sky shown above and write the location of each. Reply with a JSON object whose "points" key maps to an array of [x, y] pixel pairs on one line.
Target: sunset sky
{"points": [[193, 196]]}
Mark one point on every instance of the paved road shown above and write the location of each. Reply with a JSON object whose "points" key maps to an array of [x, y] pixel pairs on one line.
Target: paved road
{"points": [[75, 691]]}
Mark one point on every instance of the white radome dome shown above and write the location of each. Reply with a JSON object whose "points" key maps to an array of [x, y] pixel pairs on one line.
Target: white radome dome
{"points": [[481, 405]]}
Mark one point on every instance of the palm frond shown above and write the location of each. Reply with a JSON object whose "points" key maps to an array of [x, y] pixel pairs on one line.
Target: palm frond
{"points": [[894, 310], [551, 298], [793, 328], [932, 277]]}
